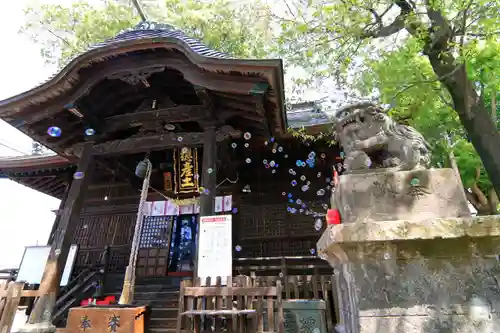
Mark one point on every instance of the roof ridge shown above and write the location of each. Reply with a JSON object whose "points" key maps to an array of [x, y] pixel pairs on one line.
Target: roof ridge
{"points": [[29, 156], [152, 30]]}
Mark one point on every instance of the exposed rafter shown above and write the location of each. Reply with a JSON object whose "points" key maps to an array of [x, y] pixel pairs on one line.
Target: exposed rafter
{"points": [[181, 113], [192, 73], [153, 142]]}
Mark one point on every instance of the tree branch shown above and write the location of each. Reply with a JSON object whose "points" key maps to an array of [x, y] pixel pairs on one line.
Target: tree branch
{"points": [[473, 200], [481, 197], [57, 36], [413, 84], [397, 25]]}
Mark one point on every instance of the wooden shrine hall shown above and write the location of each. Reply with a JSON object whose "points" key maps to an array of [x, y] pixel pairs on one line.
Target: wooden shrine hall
{"points": [[215, 132]]}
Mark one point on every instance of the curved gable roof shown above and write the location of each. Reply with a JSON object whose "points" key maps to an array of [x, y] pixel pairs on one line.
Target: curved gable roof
{"points": [[35, 162], [151, 30], [144, 33]]}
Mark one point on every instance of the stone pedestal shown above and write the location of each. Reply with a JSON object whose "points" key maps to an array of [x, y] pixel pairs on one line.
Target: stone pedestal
{"points": [[43, 327], [432, 276], [386, 195]]}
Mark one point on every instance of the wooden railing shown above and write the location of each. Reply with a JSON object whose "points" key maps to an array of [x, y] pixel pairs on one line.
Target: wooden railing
{"points": [[239, 306], [283, 266], [89, 281], [10, 296], [304, 287], [8, 274], [76, 290], [307, 287]]}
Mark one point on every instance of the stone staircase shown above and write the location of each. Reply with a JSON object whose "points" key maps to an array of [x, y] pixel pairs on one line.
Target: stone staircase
{"points": [[162, 296]]}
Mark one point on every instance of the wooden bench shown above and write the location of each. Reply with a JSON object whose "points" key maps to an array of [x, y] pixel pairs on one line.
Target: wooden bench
{"points": [[236, 308]]}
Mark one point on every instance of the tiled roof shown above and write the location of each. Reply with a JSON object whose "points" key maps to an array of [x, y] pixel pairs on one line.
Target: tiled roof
{"points": [[151, 30], [307, 114], [30, 161], [143, 31]]}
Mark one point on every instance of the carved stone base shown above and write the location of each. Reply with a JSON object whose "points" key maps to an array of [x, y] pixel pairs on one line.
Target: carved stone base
{"points": [[44, 327], [388, 195], [399, 276]]}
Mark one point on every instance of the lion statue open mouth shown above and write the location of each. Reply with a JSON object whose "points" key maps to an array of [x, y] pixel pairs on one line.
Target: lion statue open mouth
{"points": [[371, 139]]}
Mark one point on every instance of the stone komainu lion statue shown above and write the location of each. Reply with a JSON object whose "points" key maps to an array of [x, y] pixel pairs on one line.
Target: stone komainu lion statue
{"points": [[371, 139]]}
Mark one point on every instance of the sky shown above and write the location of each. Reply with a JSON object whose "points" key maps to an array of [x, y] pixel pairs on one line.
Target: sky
{"points": [[25, 214]]}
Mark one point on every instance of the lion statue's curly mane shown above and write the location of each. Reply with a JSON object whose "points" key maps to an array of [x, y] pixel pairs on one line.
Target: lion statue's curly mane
{"points": [[371, 139]]}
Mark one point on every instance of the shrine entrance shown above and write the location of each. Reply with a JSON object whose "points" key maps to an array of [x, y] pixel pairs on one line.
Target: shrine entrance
{"points": [[183, 245], [167, 246]]}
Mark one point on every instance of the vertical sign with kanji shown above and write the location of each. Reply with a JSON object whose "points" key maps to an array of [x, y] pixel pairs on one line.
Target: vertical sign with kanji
{"points": [[186, 170]]}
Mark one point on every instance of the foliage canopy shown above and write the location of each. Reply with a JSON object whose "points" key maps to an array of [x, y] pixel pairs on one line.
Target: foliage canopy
{"points": [[436, 63], [63, 32]]}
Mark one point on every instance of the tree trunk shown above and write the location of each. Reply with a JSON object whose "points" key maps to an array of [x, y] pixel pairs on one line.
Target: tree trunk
{"points": [[494, 107], [493, 201], [474, 116]]}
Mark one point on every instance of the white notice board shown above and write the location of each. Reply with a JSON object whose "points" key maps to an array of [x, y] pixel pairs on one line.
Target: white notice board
{"points": [[215, 252], [34, 260]]}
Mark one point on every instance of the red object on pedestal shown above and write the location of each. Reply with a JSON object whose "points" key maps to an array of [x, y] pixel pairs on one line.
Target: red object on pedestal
{"points": [[108, 300], [333, 216]]}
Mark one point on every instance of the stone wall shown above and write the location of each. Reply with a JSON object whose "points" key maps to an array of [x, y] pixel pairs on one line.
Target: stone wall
{"points": [[417, 282], [386, 194], [429, 286]]}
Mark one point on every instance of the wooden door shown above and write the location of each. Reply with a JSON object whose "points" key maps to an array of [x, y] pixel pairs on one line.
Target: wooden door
{"points": [[154, 246]]}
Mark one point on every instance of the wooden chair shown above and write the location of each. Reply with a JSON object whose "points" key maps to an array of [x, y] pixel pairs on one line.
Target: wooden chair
{"points": [[199, 306]]}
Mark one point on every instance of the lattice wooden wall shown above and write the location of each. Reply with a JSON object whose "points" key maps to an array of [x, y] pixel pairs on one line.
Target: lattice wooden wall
{"points": [[268, 230], [95, 232]]}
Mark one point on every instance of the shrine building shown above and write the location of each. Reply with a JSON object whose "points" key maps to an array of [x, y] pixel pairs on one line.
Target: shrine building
{"points": [[216, 132]]}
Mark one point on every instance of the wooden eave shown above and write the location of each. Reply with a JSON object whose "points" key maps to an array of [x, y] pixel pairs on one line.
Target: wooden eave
{"points": [[46, 173], [20, 164], [25, 105]]}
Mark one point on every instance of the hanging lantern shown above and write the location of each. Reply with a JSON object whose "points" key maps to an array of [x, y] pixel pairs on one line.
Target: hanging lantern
{"points": [[141, 168]]}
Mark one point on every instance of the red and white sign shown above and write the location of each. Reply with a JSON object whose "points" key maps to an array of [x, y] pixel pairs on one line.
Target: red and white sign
{"points": [[215, 250]]}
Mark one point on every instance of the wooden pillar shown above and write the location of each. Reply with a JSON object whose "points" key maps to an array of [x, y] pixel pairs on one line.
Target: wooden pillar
{"points": [[208, 181], [61, 207], [41, 317]]}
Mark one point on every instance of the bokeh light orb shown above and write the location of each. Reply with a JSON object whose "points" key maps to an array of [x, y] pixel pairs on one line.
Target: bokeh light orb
{"points": [[78, 175], [89, 131], [54, 131]]}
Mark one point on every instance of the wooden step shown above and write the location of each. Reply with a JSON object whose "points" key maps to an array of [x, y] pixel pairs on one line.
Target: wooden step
{"points": [[158, 303], [152, 288], [154, 295], [161, 330], [162, 322], [168, 313], [167, 295]]}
